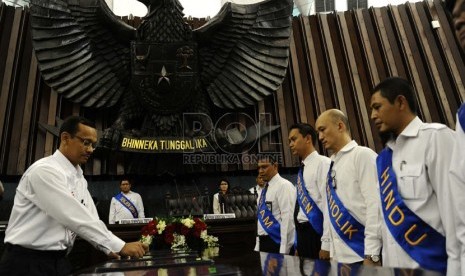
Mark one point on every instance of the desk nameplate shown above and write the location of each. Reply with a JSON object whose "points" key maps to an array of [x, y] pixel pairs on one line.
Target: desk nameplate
{"points": [[219, 216], [135, 221]]}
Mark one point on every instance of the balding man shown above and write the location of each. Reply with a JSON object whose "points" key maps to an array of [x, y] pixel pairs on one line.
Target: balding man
{"points": [[351, 192]]}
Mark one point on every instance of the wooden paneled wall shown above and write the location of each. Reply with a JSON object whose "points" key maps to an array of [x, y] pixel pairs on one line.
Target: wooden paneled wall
{"points": [[335, 61]]}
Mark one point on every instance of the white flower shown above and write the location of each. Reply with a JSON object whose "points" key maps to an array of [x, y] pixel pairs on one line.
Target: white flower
{"points": [[161, 226], [188, 222], [211, 241], [147, 240], [179, 242], [203, 234], [210, 252]]}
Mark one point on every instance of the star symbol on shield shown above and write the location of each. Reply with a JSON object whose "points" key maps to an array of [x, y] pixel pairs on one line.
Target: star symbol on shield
{"points": [[163, 75]]}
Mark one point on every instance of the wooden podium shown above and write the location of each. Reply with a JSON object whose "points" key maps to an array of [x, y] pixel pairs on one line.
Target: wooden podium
{"points": [[235, 235]]}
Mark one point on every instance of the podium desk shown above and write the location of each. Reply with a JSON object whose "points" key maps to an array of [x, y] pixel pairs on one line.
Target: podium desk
{"points": [[235, 235], [251, 263]]}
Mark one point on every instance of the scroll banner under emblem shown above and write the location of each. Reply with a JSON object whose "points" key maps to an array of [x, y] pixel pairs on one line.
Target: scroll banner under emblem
{"points": [[164, 75], [164, 144]]}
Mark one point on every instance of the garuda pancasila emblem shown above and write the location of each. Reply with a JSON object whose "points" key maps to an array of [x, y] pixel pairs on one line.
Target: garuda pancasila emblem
{"points": [[164, 68]]}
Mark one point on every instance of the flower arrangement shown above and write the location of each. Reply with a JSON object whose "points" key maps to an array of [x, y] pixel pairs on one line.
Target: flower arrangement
{"points": [[178, 233]]}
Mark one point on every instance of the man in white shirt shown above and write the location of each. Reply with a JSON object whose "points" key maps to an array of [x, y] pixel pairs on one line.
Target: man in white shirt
{"points": [[257, 189], [351, 192], [311, 200], [52, 206], [416, 198], [457, 177], [126, 205], [275, 227], [457, 164]]}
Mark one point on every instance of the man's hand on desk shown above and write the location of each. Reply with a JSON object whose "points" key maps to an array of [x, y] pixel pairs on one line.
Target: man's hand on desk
{"points": [[134, 249], [114, 256]]}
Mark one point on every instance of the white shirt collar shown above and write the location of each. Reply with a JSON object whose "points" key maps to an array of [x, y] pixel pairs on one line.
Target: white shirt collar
{"points": [[67, 165], [348, 147], [310, 157], [411, 130], [274, 179]]}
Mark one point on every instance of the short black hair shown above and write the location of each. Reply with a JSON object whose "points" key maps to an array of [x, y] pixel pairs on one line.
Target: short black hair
{"points": [[450, 5], [305, 129], [71, 124], [224, 180], [393, 87], [127, 179]]}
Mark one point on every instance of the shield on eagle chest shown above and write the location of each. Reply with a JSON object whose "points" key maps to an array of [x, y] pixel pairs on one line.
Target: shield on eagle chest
{"points": [[164, 75]]}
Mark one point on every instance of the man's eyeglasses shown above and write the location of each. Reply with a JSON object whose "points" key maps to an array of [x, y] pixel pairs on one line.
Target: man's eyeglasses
{"points": [[86, 142]]}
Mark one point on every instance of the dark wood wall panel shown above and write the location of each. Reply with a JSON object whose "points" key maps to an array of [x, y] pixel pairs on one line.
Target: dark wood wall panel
{"points": [[335, 61]]}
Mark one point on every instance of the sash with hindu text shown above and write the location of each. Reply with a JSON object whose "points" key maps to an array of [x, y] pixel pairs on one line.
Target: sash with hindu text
{"points": [[267, 220], [421, 242], [127, 204], [308, 205], [347, 227]]}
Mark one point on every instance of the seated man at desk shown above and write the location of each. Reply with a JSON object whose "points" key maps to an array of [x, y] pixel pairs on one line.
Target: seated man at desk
{"points": [[126, 205]]}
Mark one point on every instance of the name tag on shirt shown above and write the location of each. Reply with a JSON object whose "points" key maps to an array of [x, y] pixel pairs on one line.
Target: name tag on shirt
{"points": [[269, 205]]}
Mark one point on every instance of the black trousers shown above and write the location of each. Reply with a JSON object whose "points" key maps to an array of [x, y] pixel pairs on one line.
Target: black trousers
{"points": [[18, 260], [268, 245], [308, 241]]}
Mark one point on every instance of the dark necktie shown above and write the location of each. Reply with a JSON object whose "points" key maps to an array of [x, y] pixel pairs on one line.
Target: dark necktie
{"points": [[296, 209]]}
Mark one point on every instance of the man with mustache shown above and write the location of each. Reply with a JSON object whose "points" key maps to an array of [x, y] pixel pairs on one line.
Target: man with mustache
{"points": [[415, 188], [275, 227], [52, 206]]}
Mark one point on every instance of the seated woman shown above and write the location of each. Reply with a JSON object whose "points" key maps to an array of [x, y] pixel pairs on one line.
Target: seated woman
{"points": [[219, 199]]}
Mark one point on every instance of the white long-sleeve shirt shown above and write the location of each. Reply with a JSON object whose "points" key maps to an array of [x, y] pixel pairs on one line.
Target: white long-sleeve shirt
{"points": [[457, 176], [282, 195], [119, 212], [421, 161], [216, 204], [52, 205], [316, 168], [357, 188]]}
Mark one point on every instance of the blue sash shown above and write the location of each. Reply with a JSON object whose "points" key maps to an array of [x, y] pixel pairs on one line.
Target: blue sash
{"points": [[308, 205], [421, 242], [273, 264], [267, 220], [320, 268], [347, 227], [461, 116], [127, 204]]}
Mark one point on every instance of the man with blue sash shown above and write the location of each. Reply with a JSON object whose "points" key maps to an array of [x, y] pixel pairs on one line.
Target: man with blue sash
{"points": [[257, 189], [275, 227], [457, 166], [310, 186], [414, 185], [457, 175], [126, 204], [352, 194]]}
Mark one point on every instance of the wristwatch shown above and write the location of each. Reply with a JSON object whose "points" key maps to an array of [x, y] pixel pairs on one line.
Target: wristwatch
{"points": [[373, 258]]}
